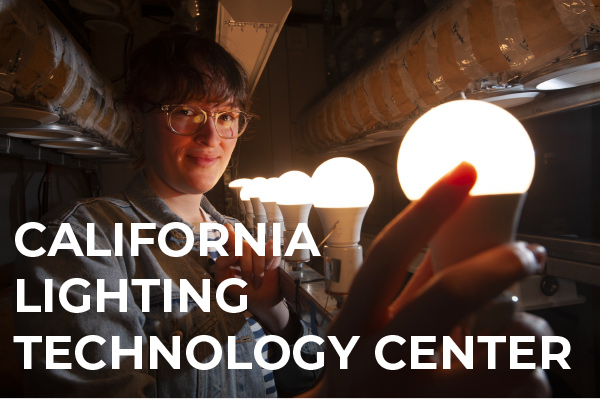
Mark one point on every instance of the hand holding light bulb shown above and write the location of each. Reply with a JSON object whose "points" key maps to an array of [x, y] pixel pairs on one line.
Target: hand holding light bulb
{"points": [[497, 145], [432, 304]]}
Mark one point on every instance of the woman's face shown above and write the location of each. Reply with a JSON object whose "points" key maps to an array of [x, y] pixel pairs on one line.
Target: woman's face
{"points": [[178, 164]]}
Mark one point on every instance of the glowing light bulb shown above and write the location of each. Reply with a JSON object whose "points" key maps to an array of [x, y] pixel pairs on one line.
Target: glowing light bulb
{"points": [[295, 187], [342, 183], [255, 187], [239, 183], [343, 191], [498, 146], [483, 134]]}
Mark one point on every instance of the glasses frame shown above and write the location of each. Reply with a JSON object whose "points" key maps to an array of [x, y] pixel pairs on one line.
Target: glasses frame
{"points": [[168, 108]]}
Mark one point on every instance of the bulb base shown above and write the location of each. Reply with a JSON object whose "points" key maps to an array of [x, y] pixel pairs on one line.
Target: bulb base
{"points": [[258, 208], [482, 222], [294, 214], [344, 224]]}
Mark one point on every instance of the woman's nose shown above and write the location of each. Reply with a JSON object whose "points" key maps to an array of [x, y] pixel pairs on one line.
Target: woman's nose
{"points": [[207, 134]]}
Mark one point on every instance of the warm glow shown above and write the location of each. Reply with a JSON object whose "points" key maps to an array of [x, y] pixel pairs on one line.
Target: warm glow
{"points": [[478, 132], [342, 183], [244, 193], [254, 187], [295, 188], [239, 183], [269, 190]]}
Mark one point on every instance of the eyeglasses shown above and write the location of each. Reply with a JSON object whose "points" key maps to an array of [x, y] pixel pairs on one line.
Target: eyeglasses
{"points": [[188, 119]]}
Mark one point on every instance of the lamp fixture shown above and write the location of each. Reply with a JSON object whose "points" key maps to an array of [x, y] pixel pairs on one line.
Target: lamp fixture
{"points": [[577, 70], [343, 191]]}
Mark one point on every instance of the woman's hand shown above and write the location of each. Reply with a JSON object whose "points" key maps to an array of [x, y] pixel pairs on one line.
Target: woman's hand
{"points": [[431, 305], [265, 300]]}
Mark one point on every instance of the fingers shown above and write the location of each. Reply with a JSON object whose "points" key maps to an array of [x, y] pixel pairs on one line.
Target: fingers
{"points": [[421, 276], [457, 291], [495, 374], [253, 266], [382, 274]]}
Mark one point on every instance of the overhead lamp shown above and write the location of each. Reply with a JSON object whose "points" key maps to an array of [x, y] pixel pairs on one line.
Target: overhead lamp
{"points": [[343, 190], [499, 148], [236, 186], [268, 197], [578, 70], [255, 187], [294, 198], [249, 30], [505, 96]]}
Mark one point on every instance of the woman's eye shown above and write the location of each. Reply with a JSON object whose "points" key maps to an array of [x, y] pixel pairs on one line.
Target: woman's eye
{"points": [[228, 117], [186, 112]]}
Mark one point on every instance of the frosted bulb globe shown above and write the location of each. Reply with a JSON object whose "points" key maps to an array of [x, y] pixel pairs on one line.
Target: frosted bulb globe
{"points": [[245, 193], [342, 183], [256, 186], [239, 183], [269, 190], [295, 188], [483, 134]]}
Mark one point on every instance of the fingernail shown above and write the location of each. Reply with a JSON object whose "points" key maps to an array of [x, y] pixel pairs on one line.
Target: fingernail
{"points": [[532, 260], [463, 175], [540, 255]]}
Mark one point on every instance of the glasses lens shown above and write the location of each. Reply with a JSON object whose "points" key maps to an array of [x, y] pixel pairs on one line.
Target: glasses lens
{"points": [[231, 124], [186, 119]]}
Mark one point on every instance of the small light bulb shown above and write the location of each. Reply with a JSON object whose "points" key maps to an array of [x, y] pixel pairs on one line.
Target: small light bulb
{"points": [[342, 183], [255, 187], [483, 134], [295, 188], [239, 183], [269, 190]]}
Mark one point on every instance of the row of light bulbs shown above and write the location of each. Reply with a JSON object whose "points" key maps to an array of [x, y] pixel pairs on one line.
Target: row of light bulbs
{"points": [[341, 189]]}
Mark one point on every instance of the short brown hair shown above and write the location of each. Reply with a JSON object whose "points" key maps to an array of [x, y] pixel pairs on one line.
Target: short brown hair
{"points": [[180, 66]]}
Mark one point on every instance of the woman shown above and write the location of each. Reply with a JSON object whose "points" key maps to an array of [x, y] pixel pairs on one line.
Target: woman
{"points": [[189, 103]]}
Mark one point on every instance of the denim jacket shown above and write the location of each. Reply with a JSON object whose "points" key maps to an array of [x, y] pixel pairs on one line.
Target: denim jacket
{"points": [[138, 204]]}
